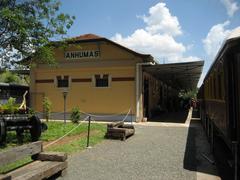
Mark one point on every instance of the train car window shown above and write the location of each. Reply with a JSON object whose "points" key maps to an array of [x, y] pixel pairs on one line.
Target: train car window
{"points": [[214, 87], [222, 84], [210, 88], [207, 90], [219, 87], [209, 93]]}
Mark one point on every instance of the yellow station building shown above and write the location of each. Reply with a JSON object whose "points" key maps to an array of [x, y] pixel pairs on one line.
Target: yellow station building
{"points": [[100, 77]]}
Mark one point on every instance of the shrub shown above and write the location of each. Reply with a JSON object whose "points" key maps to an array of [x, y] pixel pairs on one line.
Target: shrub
{"points": [[31, 112], [10, 107], [75, 115], [47, 106]]}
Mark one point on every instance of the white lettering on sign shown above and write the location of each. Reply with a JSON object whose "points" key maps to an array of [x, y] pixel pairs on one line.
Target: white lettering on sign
{"points": [[82, 54]]}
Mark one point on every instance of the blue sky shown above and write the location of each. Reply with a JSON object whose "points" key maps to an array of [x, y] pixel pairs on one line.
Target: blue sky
{"points": [[170, 30]]}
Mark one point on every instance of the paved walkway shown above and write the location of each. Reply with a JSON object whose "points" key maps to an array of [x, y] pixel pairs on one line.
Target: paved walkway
{"points": [[157, 151]]}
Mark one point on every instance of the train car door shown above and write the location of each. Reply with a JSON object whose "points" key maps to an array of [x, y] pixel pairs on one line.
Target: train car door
{"points": [[232, 78], [230, 66], [236, 143]]}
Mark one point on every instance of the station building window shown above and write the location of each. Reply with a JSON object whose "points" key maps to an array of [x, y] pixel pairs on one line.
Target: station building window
{"points": [[62, 82], [101, 80]]}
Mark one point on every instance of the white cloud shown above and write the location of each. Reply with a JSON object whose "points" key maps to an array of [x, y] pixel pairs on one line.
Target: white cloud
{"points": [[215, 38], [144, 42], [160, 20], [231, 6], [157, 38]]}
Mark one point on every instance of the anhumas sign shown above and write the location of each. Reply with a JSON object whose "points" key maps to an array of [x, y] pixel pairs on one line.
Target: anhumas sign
{"points": [[82, 54]]}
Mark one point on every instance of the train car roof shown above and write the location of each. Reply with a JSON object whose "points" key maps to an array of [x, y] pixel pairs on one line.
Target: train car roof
{"points": [[233, 36]]}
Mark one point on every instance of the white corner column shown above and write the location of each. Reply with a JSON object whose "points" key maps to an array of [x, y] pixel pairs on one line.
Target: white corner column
{"points": [[139, 85], [138, 92]]}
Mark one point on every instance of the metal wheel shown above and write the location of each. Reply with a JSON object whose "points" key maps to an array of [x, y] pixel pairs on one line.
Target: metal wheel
{"points": [[36, 128], [3, 132]]}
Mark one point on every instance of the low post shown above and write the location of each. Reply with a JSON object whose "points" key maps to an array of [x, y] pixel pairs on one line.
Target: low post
{"points": [[131, 116], [88, 136], [65, 92]]}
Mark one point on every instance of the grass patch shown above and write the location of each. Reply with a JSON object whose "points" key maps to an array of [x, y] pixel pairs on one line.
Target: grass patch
{"points": [[80, 143], [14, 165], [55, 131], [58, 129]]}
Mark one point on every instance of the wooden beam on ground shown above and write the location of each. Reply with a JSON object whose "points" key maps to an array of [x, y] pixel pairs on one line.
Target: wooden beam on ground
{"points": [[38, 170], [5, 177], [114, 124], [20, 152], [52, 156]]}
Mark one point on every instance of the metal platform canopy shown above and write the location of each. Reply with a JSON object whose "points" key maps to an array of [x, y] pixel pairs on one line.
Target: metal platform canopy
{"points": [[180, 76]]}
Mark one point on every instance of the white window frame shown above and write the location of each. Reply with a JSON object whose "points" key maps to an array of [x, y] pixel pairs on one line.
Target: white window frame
{"points": [[62, 76], [101, 75]]}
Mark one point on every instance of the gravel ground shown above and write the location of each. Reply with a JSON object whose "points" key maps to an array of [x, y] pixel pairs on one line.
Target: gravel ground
{"points": [[154, 152]]}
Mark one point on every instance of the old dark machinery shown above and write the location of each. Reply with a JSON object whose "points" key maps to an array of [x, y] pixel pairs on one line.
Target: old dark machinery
{"points": [[21, 122]]}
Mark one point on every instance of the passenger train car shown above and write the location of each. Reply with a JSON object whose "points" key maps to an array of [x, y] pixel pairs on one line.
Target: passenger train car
{"points": [[219, 98]]}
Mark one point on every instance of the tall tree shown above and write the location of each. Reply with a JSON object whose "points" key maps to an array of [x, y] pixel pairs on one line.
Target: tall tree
{"points": [[8, 77], [14, 77], [27, 26]]}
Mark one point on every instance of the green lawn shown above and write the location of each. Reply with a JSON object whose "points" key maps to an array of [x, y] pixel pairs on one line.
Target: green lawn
{"points": [[57, 130], [77, 139]]}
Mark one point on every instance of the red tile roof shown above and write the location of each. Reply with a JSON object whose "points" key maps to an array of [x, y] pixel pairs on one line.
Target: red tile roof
{"points": [[93, 37], [87, 37]]}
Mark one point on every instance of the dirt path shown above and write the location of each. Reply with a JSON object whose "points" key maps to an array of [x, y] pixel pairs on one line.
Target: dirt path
{"points": [[69, 139]]}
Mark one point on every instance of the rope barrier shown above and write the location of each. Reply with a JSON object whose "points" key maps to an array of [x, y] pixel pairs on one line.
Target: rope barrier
{"points": [[112, 115], [78, 126], [93, 115], [88, 114], [65, 134], [126, 115]]}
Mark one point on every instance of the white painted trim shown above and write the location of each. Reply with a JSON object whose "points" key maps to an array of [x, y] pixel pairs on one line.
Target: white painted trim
{"points": [[138, 84], [101, 76]]}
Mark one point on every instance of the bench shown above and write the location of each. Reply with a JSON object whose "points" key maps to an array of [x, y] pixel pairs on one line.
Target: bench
{"points": [[44, 165], [119, 130]]}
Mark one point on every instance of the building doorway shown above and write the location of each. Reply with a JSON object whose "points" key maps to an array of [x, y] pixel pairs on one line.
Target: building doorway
{"points": [[146, 98]]}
